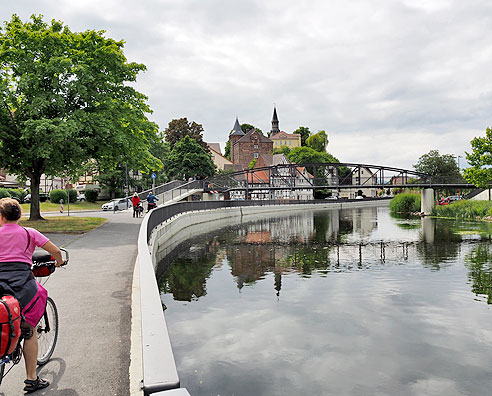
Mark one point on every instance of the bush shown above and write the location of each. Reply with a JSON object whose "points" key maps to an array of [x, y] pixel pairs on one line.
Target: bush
{"points": [[405, 203], [464, 210], [56, 195], [4, 193], [72, 194], [17, 192], [91, 195]]}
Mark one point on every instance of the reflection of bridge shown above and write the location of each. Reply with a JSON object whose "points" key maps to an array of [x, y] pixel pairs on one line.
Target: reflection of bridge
{"points": [[327, 176]]}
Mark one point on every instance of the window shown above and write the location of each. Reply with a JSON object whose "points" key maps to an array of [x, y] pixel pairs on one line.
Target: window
{"points": [[255, 155], [255, 146], [255, 137]]}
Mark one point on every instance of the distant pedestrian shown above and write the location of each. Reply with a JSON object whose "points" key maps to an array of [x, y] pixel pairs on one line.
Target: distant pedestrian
{"points": [[135, 204]]}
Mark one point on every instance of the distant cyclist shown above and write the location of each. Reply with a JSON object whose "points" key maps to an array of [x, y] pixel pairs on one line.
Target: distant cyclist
{"points": [[151, 198]]}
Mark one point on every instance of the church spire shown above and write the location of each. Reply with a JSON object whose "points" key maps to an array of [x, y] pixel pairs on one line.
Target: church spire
{"points": [[275, 128], [237, 128]]}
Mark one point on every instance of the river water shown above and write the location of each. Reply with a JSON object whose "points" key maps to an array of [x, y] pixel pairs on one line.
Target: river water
{"points": [[350, 302]]}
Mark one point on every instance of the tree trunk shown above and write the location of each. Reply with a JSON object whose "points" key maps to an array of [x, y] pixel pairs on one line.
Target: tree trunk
{"points": [[35, 213]]}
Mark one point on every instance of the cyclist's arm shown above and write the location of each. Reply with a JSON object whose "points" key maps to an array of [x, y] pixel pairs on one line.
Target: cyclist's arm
{"points": [[52, 249]]}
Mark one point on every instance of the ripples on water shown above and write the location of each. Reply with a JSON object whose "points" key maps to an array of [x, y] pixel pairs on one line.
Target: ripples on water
{"points": [[348, 302]]}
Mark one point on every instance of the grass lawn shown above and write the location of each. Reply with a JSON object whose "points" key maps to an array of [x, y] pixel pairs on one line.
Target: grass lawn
{"points": [[68, 225], [54, 207]]}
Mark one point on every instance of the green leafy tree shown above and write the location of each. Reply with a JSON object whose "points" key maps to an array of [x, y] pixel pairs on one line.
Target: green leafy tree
{"points": [[282, 150], [113, 180], [441, 168], [480, 159], [188, 159], [305, 155], [159, 149], [65, 100], [178, 129], [318, 141], [248, 127], [304, 132], [227, 150]]}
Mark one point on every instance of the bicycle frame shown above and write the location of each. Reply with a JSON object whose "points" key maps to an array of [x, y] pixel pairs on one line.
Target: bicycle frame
{"points": [[39, 260]]}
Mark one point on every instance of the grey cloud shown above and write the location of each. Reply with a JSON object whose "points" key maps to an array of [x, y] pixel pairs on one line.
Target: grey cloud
{"points": [[378, 72]]}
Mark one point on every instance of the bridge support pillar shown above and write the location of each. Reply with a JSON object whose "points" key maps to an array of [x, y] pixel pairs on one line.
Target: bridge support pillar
{"points": [[427, 201]]}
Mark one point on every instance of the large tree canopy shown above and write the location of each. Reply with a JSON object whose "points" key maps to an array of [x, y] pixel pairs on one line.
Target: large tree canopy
{"points": [[304, 132], [441, 168], [248, 127], [318, 141], [480, 159], [188, 159], [178, 129], [64, 100], [306, 155]]}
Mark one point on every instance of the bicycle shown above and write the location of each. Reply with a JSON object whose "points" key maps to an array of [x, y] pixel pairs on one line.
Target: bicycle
{"points": [[47, 328]]}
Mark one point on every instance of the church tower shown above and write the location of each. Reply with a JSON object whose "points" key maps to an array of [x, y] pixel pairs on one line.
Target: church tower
{"points": [[236, 134], [275, 128]]}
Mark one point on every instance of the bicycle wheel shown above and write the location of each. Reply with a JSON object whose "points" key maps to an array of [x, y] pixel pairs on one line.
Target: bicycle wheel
{"points": [[47, 332], [2, 369]]}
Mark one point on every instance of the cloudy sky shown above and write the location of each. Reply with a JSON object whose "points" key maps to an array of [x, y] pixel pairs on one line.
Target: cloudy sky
{"points": [[388, 80]]}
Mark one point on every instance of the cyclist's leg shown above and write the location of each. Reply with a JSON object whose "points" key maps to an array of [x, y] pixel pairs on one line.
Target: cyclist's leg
{"points": [[30, 351]]}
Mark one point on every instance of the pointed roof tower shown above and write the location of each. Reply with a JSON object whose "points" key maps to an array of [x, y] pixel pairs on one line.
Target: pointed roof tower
{"points": [[237, 131], [275, 128]]}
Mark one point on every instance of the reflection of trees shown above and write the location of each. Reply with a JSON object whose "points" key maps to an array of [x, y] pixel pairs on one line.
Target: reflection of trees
{"points": [[479, 263], [445, 246], [308, 258], [186, 277]]}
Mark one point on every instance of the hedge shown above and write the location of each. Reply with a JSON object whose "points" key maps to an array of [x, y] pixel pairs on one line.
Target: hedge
{"points": [[57, 195], [4, 193], [91, 195], [405, 203]]}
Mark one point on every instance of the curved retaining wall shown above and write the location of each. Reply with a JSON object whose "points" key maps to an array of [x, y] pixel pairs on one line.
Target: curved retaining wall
{"points": [[164, 228]]}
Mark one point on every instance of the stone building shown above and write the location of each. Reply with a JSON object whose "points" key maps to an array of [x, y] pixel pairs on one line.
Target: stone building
{"points": [[245, 147]]}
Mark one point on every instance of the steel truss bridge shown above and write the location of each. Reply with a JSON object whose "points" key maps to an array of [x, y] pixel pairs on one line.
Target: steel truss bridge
{"points": [[335, 176]]}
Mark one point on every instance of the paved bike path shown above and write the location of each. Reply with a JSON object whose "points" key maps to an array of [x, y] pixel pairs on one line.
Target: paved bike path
{"points": [[93, 297]]}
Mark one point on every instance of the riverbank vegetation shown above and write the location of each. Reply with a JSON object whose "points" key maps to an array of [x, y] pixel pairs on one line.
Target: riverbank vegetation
{"points": [[405, 204], [465, 210]]}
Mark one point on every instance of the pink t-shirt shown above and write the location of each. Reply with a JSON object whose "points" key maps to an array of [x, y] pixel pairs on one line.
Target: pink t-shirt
{"points": [[14, 241]]}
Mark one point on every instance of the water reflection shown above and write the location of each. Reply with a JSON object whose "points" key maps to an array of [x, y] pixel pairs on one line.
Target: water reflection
{"points": [[479, 263], [299, 303], [313, 242]]}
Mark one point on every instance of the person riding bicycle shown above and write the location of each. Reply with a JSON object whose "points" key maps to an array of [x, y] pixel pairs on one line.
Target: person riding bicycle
{"points": [[151, 198], [17, 245], [135, 203]]}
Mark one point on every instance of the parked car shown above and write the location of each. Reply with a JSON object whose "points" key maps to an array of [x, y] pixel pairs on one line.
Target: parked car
{"points": [[448, 200], [43, 197], [81, 198], [117, 204]]}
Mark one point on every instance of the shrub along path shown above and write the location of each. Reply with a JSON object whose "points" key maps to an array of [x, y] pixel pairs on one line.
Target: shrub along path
{"points": [[93, 296]]}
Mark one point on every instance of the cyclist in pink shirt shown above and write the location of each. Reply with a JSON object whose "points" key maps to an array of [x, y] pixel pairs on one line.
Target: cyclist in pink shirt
{"points": [[17, 245]]}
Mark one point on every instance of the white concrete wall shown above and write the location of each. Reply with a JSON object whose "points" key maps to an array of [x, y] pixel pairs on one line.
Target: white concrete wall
{"points": [[485, 195]]}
